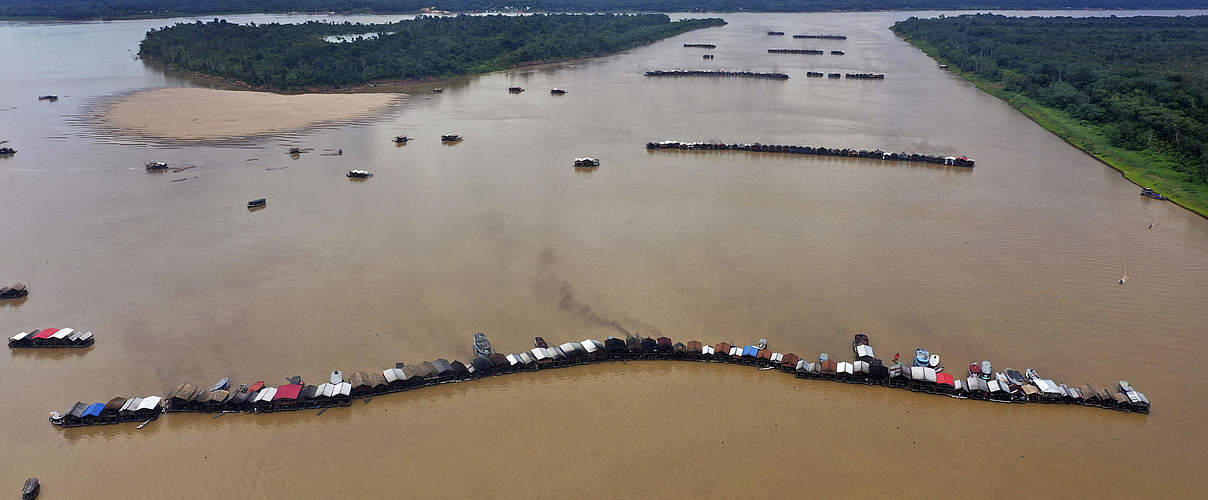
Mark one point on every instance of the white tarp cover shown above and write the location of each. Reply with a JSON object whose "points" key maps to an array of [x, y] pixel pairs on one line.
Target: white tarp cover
{"points": [[389, 375], [916, 373], [539, 353], [971, 383], [929, 374], [863, 351], [131, 404], [735, 351], [344, 389], [567, 348], [326, 390], [526, 358], [149, 403], [1047, 386], [61, 334], [513, 359], [267, 394], [802, 365], [958, 384], [19, 336], [708, 349], [994, 386], [86, 336], [861, 366], [589, 346], [777, 357], [844, 367]]}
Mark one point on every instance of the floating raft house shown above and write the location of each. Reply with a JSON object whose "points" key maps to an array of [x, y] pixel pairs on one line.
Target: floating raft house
{"points": [[865, 369], [701, 45], [958, 161], [823, 37], [52, 337], [796, 51]]}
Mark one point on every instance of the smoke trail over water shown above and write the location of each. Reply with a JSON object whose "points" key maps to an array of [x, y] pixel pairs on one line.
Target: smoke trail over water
{"points": [[550, 283]]}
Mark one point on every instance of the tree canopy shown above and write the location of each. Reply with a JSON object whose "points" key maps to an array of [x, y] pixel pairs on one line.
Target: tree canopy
{"points": [[293, 56], [1142, 82], [96, 9]]}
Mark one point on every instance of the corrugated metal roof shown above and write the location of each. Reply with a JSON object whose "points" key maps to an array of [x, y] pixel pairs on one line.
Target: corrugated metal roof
{"points": [[149, 403], [290, 391], [344, 389], [589, 346], [61, 334], [19, 336]]}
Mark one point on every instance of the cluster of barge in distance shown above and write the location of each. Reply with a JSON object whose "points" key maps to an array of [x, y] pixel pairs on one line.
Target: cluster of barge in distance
{"points": [[706, 72], [876, 154], [776, 33], [51, 337], [701, 45], [823, 37], [796, 51], [864, 369]]}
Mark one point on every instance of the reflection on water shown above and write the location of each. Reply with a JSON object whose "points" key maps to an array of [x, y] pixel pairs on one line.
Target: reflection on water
{"points": [[1016, 261]]}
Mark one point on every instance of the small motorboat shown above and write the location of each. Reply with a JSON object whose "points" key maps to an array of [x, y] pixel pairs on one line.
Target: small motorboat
{"points": [[482, 346], [587, 162], [1031, 375], [762, 344], [859, 339], [336, 377], [1149, 193], [836, 52], [221, 384], [823, 357], [921, 357], [943, 66], [515, 90], [707, 56], [48, 97], [156, 165], [7, 151], [437, 90], [16, 291], [295, 151], [1014, 377], [31, 489], [974, 369], [834, 75], [401, 139], [986, 369], [256, 386], [557, 91], [257, 203], [540, 342], [359, 174], [451, 138], [934, 361], [766, 368]]}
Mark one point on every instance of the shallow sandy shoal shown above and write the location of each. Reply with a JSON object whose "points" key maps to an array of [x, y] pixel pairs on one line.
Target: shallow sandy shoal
{"points": [[197, 114]]}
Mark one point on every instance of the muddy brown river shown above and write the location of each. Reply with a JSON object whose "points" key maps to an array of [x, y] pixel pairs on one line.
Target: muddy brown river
{"points": [[1016, 261]]}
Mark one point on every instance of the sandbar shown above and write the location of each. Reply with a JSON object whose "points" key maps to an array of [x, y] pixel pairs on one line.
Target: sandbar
{"points": [[206, 114]]}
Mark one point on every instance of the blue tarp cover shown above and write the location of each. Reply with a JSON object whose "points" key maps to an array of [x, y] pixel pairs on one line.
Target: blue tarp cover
{"points": [[94, 410], [751, 351]]}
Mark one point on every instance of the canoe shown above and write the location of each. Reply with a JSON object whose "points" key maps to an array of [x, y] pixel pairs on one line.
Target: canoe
{"points": [[31, 488]]}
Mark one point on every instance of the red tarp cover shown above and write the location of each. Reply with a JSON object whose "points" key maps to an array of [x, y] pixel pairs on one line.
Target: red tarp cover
{"points": [[944, 378], [290, 391], [46, 333], [256, 386]]}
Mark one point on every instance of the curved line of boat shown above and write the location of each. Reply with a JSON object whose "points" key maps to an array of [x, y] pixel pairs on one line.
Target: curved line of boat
{"points": [[958, 161]]}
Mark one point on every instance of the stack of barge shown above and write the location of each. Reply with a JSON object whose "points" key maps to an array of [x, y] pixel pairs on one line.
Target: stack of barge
{"points": [[876, 154], [865, 76], [823, 37], [701, 45], [776, 33], [738, 74], [52, 337], [795, 51], [865, 369], [814, 74]]}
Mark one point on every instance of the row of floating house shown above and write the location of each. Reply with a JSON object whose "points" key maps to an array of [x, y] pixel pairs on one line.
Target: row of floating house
{"points": [[339, 391], [876, 154], [701, 45], [52, 337], [738, 74], [796, 51], [865, 76]]}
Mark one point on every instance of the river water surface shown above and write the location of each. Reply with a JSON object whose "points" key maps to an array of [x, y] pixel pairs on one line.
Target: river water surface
{"points": [[1016, 261]]}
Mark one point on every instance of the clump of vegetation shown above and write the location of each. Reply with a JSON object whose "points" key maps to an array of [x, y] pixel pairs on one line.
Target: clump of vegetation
{"points": [[1133, 91], [294, 56]]}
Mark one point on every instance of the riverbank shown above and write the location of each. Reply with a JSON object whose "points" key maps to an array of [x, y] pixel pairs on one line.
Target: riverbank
{"points": [[1139, 168], [196, 114]]}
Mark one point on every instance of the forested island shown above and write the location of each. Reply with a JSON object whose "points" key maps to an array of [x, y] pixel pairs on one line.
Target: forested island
{"points": [[296, 56], [116, 9], [1133, 91]]}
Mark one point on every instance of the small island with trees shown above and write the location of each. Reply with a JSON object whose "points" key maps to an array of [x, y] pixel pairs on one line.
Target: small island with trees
{"points": [[1132, 91], [304, 57]]}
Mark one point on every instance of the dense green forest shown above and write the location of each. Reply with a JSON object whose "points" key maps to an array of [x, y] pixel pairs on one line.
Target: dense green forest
{"points": [[1131, 90], [294, 56], [97, 9]]}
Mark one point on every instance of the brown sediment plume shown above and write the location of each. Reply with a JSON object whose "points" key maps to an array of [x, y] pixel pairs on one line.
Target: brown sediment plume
{"points": [[549, 283]]}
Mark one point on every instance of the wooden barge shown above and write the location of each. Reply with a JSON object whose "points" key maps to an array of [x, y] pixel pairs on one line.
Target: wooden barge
{"points": [[796, 51], [865, 369], [51, 337], [876, 154], [738, 74]]}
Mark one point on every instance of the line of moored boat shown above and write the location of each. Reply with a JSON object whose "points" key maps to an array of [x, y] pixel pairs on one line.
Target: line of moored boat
{"points": [[876, 154], [739, 74], [51, 337], [925, 376]]}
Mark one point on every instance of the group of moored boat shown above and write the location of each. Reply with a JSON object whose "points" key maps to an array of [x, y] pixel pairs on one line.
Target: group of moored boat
{"points": [[924, 376], [51, 337], [876, 154], [740, 74], [587, 162], [701, 45], [1150, 193], [865, 76], [823, 37], [795, 51], [776, 33]]}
